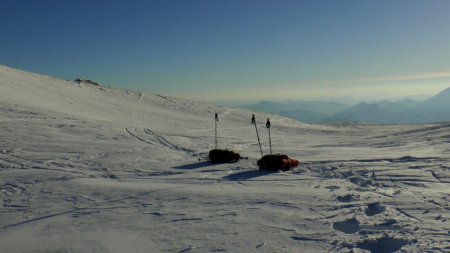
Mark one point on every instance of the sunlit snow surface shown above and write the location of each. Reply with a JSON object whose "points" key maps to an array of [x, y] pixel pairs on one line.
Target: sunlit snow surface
{"points": [[86, 168]]}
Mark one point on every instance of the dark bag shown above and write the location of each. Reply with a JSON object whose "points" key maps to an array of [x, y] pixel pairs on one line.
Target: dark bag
{"points": [[223, 156]]}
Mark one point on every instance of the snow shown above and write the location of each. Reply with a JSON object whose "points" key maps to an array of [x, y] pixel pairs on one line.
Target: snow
{"points": [[85, 168]]}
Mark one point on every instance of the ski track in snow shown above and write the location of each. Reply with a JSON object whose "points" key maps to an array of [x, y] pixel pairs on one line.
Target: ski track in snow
{"points": [[71, 181], [155, 139]]}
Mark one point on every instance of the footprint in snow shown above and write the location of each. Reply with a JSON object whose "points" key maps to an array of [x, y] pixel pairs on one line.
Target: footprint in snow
{"points": [[374, 209], [383, 244], [347, 198], [349, 226]]}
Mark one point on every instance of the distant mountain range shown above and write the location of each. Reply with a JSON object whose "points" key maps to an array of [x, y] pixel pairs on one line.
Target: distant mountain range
{"points": [[305, 111], [407, 111]]}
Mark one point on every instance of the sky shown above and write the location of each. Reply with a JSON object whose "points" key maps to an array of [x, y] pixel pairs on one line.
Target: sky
{"points": [[221, 50]]}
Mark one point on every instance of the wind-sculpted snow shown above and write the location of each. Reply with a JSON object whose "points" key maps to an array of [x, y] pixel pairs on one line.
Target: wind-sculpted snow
{"points": [[92, 169]]}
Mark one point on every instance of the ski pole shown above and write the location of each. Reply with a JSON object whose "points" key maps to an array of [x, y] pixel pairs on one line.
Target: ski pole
{"points": [[215, 127], [257, 134], [270, 140]]}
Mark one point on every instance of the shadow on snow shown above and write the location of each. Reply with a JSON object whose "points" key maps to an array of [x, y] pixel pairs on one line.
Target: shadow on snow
{"points": [[194, 166], [245, 175]]}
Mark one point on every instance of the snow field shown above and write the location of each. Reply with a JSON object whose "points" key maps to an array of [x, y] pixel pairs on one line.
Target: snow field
{"points": [[86, 168]]}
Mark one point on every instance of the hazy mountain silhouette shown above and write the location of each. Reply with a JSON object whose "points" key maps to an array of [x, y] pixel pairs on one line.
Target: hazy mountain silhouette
{"points": [[305, 111], [406, 111], [269, 106], [440, 100], [304, 115]]}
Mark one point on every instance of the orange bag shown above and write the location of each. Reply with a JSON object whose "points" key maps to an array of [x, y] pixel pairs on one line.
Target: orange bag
{"points": [[289, 163]]}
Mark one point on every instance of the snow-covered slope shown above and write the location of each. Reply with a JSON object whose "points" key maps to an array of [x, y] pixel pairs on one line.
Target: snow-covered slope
{"points": [[85, 168]]}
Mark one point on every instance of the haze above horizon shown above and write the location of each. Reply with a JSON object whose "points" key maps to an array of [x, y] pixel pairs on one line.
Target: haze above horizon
{"points": [[235, 50]]}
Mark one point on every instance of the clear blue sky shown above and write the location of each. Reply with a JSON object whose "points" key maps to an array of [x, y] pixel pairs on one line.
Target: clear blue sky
{"points": [[235, 50]]}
